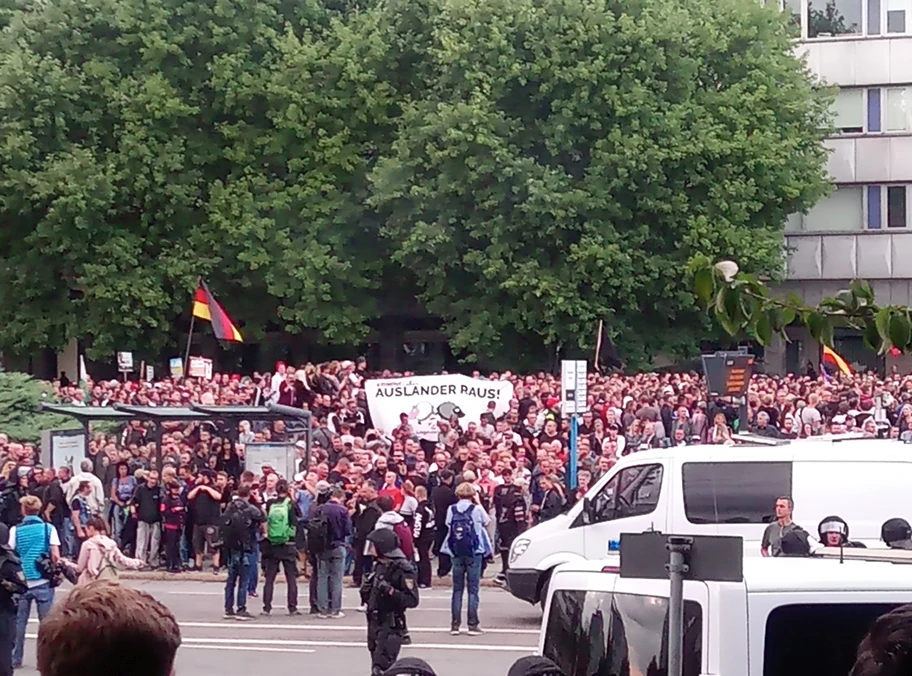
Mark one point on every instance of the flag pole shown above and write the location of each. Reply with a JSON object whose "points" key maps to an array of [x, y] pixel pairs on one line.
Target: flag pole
{"points": [[189, 341]]}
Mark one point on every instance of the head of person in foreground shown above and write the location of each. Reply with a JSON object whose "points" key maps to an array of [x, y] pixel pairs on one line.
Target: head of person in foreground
{"points": [[887, 648], [107, 628]]}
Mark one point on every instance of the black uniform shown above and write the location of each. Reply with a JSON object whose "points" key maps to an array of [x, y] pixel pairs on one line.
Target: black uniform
{"points": [[12, 583], [387, 593], [510, 510]]}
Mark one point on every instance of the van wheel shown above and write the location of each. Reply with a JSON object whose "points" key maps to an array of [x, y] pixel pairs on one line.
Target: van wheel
{"points": [[543, 591]]}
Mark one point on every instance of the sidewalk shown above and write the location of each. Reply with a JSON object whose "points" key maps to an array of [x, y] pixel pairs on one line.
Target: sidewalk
{"points": [[195, 576]]}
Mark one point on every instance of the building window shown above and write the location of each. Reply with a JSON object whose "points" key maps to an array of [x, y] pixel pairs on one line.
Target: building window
{"points": [[898, 115], [841, 211], [849, 111], [875, 208], [828, 18], [897, 206], [896, 15], [874, 17], [873, 110]]}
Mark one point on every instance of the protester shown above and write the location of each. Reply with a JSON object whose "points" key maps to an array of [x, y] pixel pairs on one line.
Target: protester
{"points": [[12, 586], [106, 628], [330, 561], [240, 524], [467, 544], [278, 549]]}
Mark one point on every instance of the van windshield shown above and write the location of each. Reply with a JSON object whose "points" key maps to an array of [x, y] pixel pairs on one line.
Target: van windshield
{"points": [[604, 634], [817, 638]]}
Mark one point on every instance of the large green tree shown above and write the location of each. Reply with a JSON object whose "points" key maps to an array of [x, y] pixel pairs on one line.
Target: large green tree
{"points": [[148, 142], [523, 167], [570, 157]]}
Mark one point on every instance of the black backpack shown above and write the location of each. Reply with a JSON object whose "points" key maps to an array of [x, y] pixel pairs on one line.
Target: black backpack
{"points": [[319, 537], [236, 528]]}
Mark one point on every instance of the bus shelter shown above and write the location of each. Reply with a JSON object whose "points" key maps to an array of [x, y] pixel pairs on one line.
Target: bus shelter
{"points": [[225, 418]]}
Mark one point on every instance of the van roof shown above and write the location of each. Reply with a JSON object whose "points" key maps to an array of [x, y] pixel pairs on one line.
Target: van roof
{"points": [[782, 574], [808, 450]]}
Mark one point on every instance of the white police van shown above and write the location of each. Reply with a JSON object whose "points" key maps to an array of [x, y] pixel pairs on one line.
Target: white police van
{"points": [[789, 617], [720, 490]]}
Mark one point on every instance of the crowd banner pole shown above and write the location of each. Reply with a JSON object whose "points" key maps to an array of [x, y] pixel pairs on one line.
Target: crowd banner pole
{"points": [[189, 342]]}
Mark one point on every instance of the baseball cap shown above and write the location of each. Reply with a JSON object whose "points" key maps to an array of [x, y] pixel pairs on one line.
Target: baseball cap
{"points": [[323, 486]]}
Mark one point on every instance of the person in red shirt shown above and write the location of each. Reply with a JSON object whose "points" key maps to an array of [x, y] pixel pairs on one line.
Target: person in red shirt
{"points": [[392, 490]]}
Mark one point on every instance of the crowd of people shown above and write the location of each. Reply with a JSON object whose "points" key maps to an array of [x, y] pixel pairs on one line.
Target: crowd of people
{"points": [[166, 498]]}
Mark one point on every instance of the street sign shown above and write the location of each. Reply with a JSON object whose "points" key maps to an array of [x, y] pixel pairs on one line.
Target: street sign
{"points": [[573, 386], [728, 375], [124, 362]]}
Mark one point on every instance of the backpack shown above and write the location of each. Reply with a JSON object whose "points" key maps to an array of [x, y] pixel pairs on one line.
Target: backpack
{"points": [[235, 528], [279, 527], [463, 539], [319, 538]]}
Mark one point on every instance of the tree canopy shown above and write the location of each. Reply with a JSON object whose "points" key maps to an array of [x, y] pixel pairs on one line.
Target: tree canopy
{"points": [[522, 168]]}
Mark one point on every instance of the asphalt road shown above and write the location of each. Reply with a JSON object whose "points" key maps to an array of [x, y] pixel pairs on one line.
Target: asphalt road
{"points": [[280, 644]]}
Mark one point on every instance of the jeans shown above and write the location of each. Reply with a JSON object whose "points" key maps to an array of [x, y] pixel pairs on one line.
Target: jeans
{"points": [[238, 565], [466, 567], [148, 541], [43, 597], [363, 564], [118, 519], [330, 566], [253, 559], [184, 547]]}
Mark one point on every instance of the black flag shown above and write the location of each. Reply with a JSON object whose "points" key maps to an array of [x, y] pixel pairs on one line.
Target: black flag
{"points": [[606, 354]]}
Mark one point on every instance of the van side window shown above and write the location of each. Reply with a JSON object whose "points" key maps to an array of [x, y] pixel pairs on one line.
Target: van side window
{"points": [[734, 492], [634, 491], [604, 634], [795, 634]]}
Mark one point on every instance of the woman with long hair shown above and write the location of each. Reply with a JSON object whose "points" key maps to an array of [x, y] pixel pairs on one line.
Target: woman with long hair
{"points": [[99, 556], [123, 488]]}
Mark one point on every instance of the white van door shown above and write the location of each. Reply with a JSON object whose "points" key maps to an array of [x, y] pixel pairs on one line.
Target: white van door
{"points": [[634, 500]]}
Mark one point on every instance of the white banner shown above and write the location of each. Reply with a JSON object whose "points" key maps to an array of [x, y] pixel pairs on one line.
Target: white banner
{"points": [[429, 399]]}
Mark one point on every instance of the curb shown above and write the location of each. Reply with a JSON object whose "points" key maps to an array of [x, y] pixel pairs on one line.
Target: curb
{"points": [[222, 578]]}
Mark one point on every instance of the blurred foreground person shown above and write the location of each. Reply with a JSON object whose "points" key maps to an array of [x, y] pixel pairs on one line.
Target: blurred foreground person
{"points": [[887, 648], [106, 628], [12, 584]]}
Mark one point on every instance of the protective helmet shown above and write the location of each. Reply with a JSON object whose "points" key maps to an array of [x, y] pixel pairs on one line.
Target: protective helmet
{"points": [[385, 541], [833, 524], [895, 530]]}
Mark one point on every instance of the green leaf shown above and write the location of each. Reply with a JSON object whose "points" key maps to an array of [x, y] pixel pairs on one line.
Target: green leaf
{"points": [[703, 283], [820, 328], [764, 329], [900, 330], [788, 315], [862, 290], [882, 322], [872, 337]]}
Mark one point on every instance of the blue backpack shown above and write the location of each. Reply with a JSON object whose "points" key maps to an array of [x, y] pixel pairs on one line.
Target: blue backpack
{"points": [[463, 538]]}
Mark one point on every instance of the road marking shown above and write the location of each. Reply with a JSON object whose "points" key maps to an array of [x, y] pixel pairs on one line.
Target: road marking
{"points": [[302, 651], [333, 627], [256, 644]]}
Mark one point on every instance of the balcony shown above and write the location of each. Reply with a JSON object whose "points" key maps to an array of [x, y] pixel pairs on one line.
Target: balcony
{"points": [[870, 159], [858, 61]]}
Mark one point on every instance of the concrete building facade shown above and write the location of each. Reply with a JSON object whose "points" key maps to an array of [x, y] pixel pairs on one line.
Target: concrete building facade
{"points": [[864, 228]]}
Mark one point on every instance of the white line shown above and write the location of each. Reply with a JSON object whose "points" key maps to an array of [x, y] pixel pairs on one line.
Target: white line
{"points": [[254, 644], [234, 647], [334, 627]]}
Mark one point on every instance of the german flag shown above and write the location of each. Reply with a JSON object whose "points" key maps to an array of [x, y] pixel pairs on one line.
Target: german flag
{"points": [[831, 358], [206, 307]]}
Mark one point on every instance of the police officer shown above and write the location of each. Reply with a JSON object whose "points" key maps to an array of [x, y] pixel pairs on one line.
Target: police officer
{"points": [[833, 531], [12, 583], [388, 593], [897, 534]]}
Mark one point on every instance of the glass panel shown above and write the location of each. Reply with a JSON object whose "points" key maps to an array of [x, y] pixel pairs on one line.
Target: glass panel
{"points": [[873, 17], [795, 634], [827, 18], [848, 111], [728, 492], [899, 109], [896, 206], [896, 16], [793, 8], [875, 208], [842, 211], [600, 634], [873, 110]]}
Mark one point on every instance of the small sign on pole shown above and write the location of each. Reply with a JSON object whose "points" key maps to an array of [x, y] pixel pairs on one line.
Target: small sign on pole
{"points": [[200, 367], [125, 362], [573, 386], [574, 397], [176, 366], [150, 373]]}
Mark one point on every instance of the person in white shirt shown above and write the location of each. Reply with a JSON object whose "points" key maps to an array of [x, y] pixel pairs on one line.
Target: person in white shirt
{"points": [[96, 498]]}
